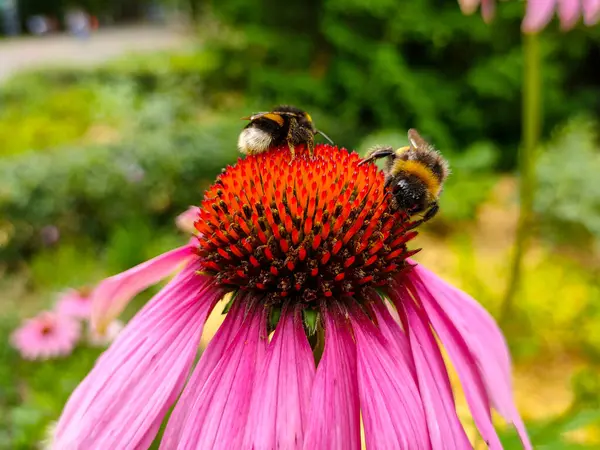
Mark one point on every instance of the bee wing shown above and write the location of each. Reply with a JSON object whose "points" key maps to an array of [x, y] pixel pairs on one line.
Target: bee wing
{"points": [[274, 116], [255, 116], [415, 139], [286, 113]]}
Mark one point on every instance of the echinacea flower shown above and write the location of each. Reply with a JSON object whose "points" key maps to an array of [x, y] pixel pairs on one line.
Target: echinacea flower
{"points": [[47, 335], [315, 253], [540, 12], [75, 303], [185, 220]]}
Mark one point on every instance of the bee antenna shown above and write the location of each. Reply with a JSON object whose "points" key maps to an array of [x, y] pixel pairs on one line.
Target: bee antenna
{"points": [[325, 136]]}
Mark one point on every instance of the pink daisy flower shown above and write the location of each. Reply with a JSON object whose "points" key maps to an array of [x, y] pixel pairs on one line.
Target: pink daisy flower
{"points": [[314, 252], [540, 12], [48, 335], [185, 220], [75, 303]]}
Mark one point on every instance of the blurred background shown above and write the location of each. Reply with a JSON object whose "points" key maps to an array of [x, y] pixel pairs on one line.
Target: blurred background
{"points": [[115, 116]]}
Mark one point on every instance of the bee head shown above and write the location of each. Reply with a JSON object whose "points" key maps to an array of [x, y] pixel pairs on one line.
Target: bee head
{"points": [[411, 193]]}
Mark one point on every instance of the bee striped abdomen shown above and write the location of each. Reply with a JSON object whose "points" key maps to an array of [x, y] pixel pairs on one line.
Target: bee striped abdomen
{"points": [[418, 169]]}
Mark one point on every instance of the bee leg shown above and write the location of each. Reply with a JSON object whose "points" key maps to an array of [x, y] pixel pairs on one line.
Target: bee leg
{"points": [[432, 211], [292, 150], [311, 146], [429, 214], [290, 136], [376, 153]]}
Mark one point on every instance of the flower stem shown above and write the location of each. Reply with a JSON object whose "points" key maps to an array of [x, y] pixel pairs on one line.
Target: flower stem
{"points": [[527, 159], [319, 344]]}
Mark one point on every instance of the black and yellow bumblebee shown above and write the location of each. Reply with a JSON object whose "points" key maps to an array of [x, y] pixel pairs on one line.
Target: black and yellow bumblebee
{"points": [[415, 174], [285, 124]]}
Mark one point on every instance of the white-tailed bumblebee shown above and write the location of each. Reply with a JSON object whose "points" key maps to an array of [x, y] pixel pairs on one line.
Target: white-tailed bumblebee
{"points": [[285, 124], [415, 174]]}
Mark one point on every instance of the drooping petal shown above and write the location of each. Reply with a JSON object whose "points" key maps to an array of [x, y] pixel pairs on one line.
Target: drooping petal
{"points": [[333, 418], [468, 6], [537, 15], [123, 400], [445, 429], [217, 417], [591, 12], [568, 13], [481, 335], [488, 9], [185, 220], [390, 402], [466, 367], [280, 402], [388, 322], [113, 294], [209, 360]]}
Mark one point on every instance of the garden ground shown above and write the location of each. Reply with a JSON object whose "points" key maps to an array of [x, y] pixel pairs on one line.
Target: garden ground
{"points": [[24, 53]]}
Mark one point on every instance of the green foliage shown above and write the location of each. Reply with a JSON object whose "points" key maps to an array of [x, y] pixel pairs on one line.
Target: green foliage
{"points": [[553, 435], [557, 309], [28, 118], [389, 65], [32, 394], [66, 265], [568, 198], [9, 379], [149, 178], [46, 109]]}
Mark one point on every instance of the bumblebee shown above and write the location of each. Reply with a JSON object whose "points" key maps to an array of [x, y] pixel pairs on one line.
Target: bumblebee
{"points": [[415, 174], [285, 124]]}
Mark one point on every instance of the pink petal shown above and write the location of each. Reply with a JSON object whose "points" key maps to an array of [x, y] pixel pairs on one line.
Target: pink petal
{"points": [[445, 429], [568, 12], [482, 337], [467, 371], [468, 6], [390, 402], [217, 417], [123, 400], [488, 9], [537, 15], [388, 323], [74, 303], [113, 294], [333, 418], [185, 221], [591, 12], [210, 358], [280, 402]]}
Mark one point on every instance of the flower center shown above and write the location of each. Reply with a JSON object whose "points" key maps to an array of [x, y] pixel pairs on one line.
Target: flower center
{"points": [[309, 228]]}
